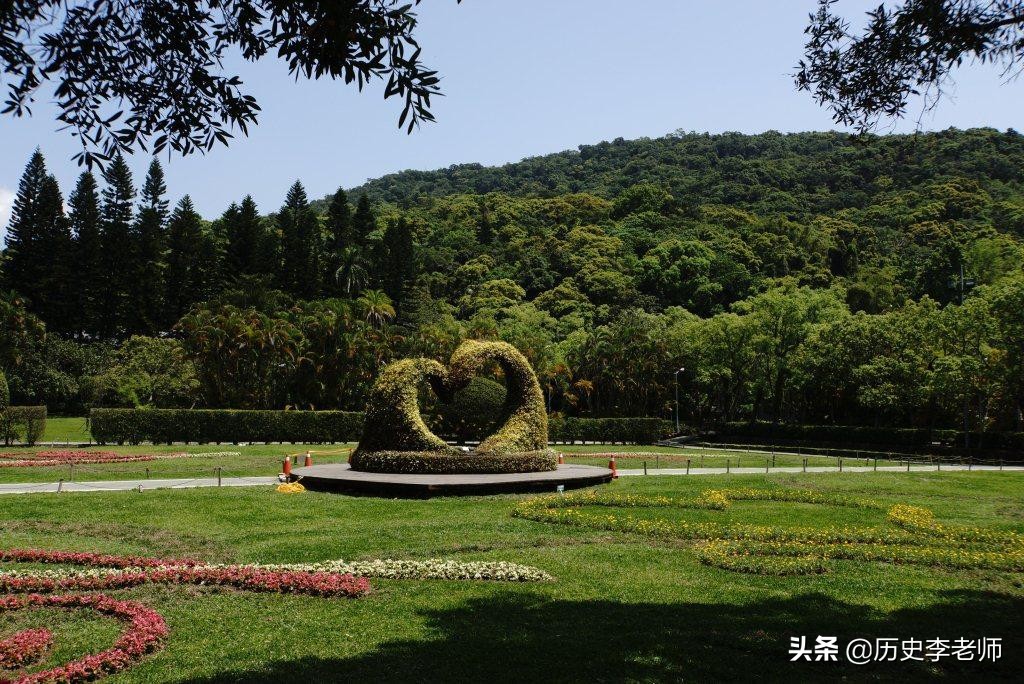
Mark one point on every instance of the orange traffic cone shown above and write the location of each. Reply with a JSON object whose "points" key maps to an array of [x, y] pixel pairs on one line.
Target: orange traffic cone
{"points": [[611, 465], [287, 468], [309, 460], [561, 459]]}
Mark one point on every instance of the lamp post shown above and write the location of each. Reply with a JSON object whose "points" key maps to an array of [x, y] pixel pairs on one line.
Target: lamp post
{"points": [[677, 397]]}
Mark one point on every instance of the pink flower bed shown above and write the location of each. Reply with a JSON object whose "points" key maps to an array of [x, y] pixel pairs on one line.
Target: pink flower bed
{"points": [[66, 457], [24, 647], [145, 631]]}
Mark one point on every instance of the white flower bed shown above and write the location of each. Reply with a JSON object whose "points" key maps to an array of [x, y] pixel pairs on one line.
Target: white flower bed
{"points": [[495, 571]]}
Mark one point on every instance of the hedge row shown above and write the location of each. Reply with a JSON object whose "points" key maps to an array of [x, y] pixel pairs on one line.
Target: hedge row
{"points": [[432, 463], [845, 435], [22, 423], [608, 430], [133, 426], [223, 425]]}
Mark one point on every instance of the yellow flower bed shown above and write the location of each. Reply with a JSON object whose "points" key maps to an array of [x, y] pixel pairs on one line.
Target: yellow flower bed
{"points": [[914, 538]]}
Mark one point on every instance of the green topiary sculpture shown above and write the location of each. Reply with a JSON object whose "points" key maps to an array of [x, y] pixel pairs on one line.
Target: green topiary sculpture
{"points": [[395, 438], [393, 421], [526, 421]]}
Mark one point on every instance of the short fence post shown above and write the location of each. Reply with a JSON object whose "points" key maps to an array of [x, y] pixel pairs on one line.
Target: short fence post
{"points": [[687, 466], [702, 460], [908, 465], [60, 485], [218, 476], [840, 464], [657, 461], [805, 465], [645, 467], [766, 465], [773, 458], [970, 464], [876, 464], [727, 465], [147, 473]]}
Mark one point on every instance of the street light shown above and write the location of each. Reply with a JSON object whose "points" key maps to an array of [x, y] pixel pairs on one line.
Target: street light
{"points": [[677, 397]]}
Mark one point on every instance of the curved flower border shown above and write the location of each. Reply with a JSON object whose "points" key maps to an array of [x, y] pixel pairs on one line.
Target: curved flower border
{"points": [[145, 632], [761, 549]]}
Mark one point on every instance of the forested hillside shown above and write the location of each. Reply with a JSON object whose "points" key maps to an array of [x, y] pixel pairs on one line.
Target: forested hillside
{"points": [[810, 277]]}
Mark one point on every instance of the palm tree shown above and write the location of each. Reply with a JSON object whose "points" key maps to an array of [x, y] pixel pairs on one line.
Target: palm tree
{"points": [[353, 269], [376, 307]]}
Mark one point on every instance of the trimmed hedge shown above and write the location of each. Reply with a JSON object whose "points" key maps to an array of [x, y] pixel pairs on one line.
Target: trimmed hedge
{"points": [[432, 463], [609, 430], [133, 426], [24, 423], [854, 435], [909, 437]]}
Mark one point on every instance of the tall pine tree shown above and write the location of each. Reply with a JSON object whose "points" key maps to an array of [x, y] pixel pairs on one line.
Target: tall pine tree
{"points": [[24, 266], [119, 249], [363, 221], [184, 277], [151, 259], [398, 267], [54, 299], [300, 245], [84, 215], [246, 238], [341, 236]]}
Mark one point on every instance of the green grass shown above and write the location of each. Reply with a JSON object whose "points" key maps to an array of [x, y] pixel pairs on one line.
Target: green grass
{"points": [[265, 459], [261, 459], [624, 608], [74, 430]]}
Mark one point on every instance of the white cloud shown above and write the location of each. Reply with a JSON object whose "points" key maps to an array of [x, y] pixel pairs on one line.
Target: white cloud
{"points": [[6, 200]]}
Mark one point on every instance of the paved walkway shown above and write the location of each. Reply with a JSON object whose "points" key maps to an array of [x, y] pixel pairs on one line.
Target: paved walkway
{"points": [[191, 483], [127, 485], [818, 469]]}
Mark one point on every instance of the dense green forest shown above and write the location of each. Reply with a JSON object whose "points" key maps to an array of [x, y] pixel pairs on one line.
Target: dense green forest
{"points": [[813, 277]]}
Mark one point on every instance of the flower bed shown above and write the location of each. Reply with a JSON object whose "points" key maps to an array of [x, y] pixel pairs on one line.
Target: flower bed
{"points": [[144, 633], [496, 571], [63, 457], [424, 462], [761, 549], [24, 648]]}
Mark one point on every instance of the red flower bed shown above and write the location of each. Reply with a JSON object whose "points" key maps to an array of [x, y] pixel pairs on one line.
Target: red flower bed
{"points": [[24, 647], [249, 579], [68, 456], [146, 630], [88, 558]]}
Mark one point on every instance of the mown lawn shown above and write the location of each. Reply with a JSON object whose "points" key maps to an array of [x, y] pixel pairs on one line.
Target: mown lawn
{"points": [[623, 608], [265, 460]]}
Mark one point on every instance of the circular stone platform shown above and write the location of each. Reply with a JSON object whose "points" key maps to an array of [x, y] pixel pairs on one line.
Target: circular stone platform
{"points": [[339, 477]]}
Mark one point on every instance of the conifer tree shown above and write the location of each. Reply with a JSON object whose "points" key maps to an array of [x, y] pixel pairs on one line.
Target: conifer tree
{"points": [[84, 217], [119, 250], [184, 277], [340, 236], [363, 221], [300, 245], [398, 267], [53, 296], [151, 260], [245, 239], [22, 268]]}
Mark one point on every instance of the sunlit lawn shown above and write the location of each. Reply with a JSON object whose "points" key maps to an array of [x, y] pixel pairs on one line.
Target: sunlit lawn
{"points": [[623, 608]]}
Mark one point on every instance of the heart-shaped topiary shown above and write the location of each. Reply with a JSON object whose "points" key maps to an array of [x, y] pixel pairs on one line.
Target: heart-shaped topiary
{"points": [[393, 424]]}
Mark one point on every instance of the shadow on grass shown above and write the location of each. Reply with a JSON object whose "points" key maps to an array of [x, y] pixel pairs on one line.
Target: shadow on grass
{"points": [[526, 638]]}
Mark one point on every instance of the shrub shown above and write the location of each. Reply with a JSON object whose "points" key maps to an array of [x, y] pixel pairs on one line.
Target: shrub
{"points": [[433, 463], [526, 420], [610, 430], [25, 423], [223, 425], [474, 412]]}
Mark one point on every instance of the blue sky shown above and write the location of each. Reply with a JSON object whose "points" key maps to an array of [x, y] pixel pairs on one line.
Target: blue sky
{"points": [[522, 78]]}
